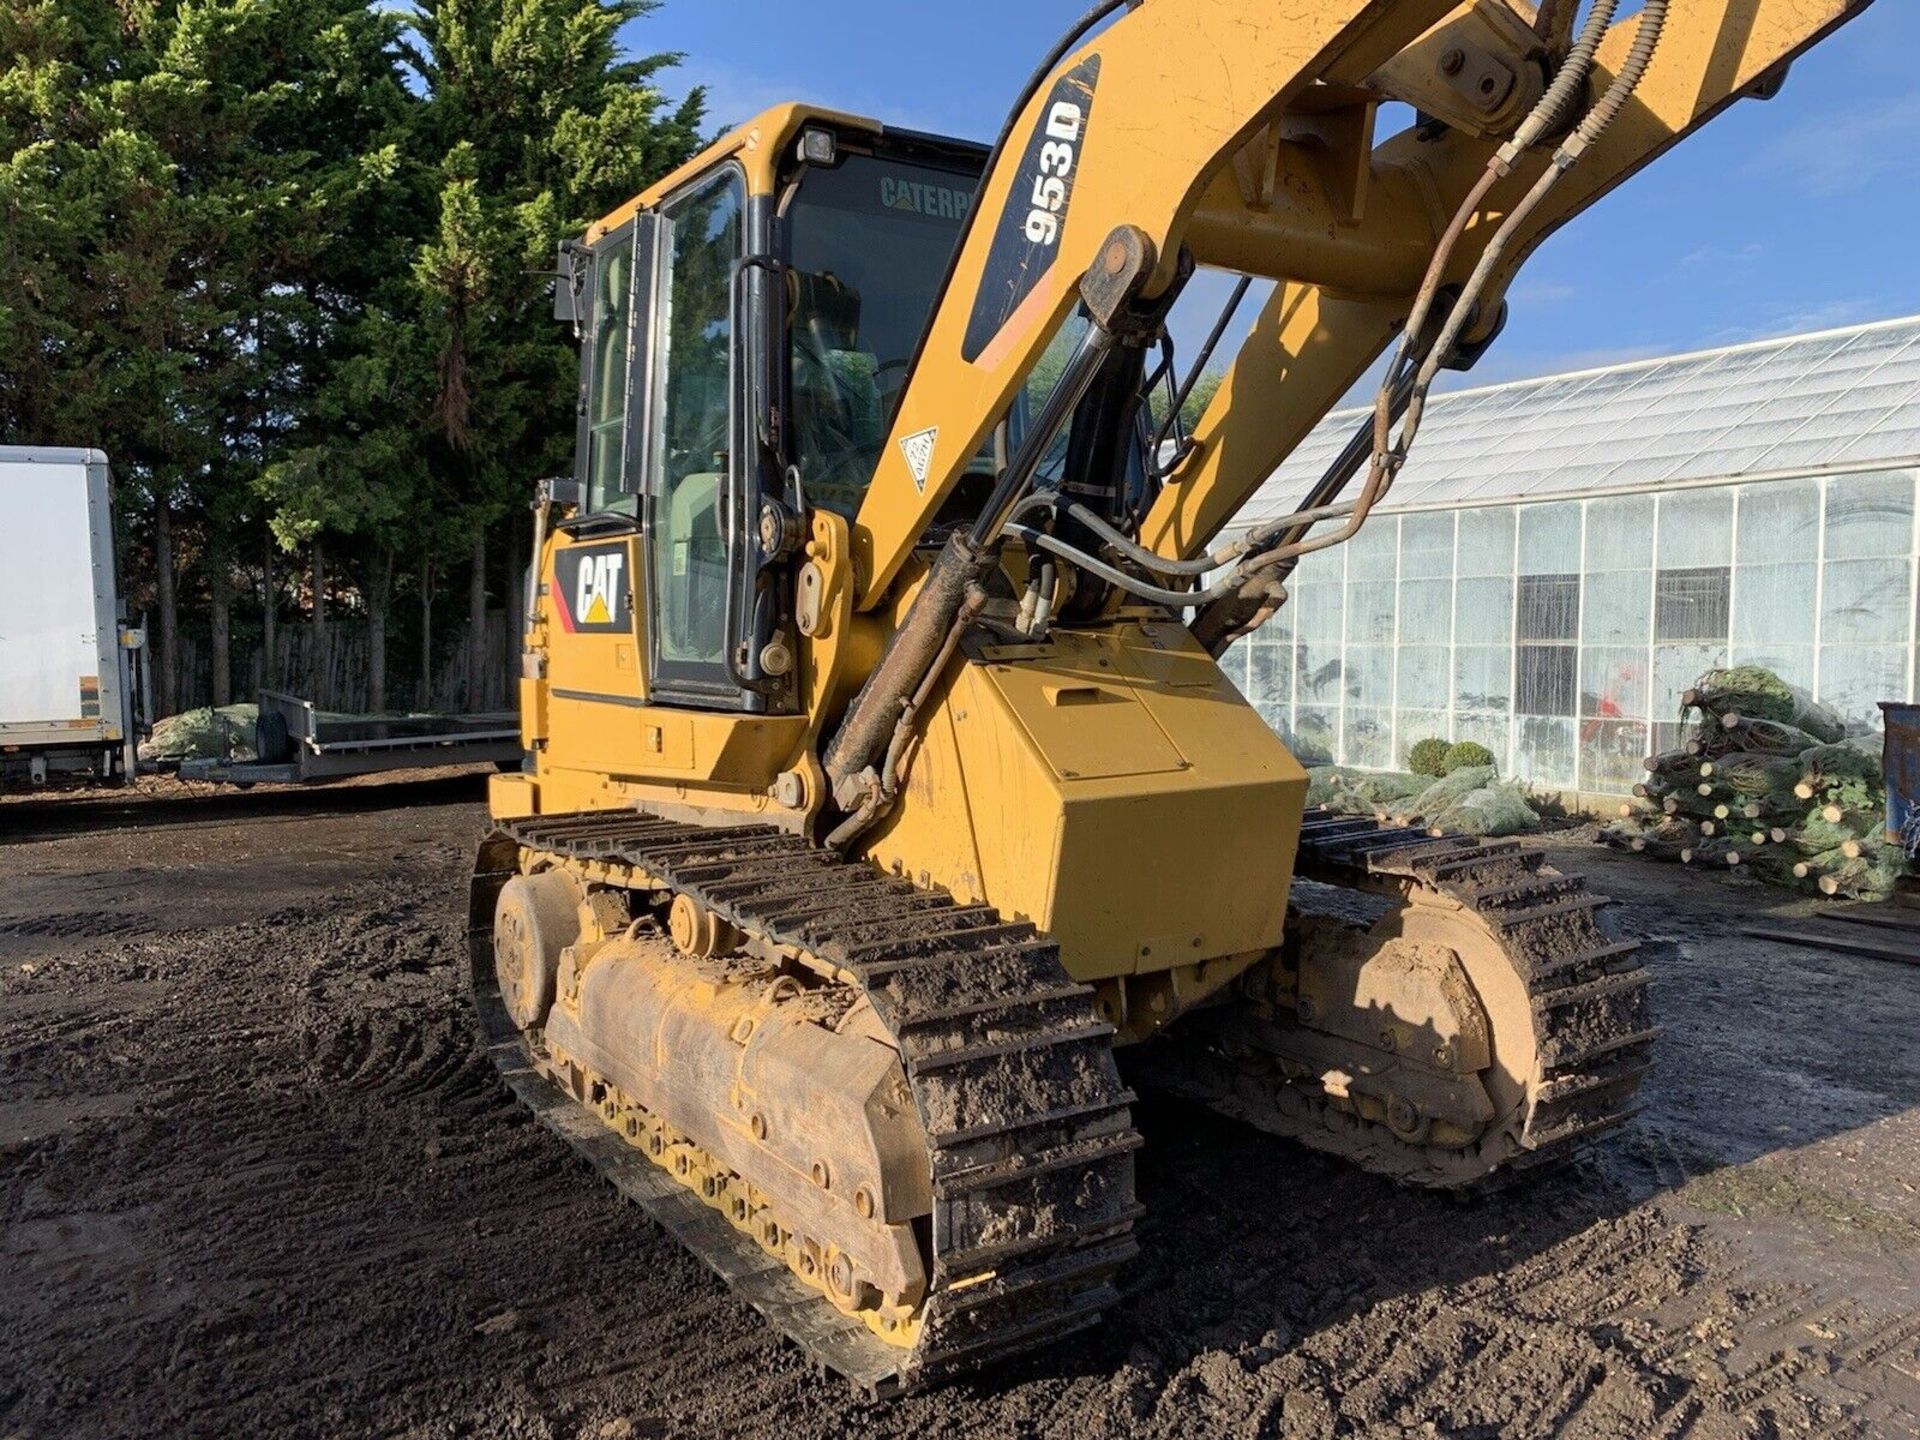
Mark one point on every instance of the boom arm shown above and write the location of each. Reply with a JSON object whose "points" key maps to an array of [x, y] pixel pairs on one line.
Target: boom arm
{"points": [[1125, 132], [1244, 134]]}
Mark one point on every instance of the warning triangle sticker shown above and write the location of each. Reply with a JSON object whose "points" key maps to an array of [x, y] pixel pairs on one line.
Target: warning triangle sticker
{"points": [[918, 448], [597, 613]]}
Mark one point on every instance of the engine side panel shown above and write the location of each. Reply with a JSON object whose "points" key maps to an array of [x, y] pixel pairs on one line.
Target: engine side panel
{"points": [[1116, 790]]}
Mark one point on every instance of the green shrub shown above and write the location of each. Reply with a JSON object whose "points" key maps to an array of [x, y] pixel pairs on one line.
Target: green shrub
{"points": [[1466, 755], [1428, 757]]}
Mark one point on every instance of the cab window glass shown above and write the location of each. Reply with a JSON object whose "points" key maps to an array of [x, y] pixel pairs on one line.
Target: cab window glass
{"points": [[613, 282], [871, 238], [689, 529]]}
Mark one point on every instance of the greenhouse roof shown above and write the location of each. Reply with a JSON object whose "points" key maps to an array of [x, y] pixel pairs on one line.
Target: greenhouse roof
{"points": [[1838, 399]]}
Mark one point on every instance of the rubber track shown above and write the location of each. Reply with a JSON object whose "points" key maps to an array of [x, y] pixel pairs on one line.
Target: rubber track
{"points": [[1012, 1072], [1589, 992]]}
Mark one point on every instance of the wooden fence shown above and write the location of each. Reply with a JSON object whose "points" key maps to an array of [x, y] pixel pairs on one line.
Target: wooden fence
{"points": [[339, 677]]}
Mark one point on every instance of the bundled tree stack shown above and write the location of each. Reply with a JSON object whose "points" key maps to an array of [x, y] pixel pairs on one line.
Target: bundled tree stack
{"points": [[1444, 787], [1768, 782]]}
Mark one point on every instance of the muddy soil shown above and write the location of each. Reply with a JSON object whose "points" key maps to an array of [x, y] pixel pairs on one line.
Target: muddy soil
{"points": [[254, 1180]]}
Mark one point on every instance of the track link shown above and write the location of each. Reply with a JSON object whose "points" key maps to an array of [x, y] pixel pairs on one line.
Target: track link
{"points": [[1586, 990], [1031, 1140]]}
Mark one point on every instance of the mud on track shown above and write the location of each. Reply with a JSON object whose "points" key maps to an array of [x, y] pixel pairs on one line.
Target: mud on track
{"points": [[254, 1179]]}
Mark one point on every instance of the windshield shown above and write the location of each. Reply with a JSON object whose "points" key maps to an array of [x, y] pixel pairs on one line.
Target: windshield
{"points": [[870, 243]]}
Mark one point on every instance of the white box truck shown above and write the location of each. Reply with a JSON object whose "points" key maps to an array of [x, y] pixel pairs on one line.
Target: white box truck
{"points": [[67, 672]]}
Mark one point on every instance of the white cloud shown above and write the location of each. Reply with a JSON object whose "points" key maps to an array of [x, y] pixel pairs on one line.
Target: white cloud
{"points": [[1541, 292], [1837, 153], [1725, 260], [1803, 319]]}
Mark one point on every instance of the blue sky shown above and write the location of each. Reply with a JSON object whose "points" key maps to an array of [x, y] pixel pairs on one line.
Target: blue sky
{"points": [[1797, 214]]}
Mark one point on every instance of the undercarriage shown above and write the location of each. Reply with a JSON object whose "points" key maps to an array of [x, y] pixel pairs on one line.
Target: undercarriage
{"points": [[896, 1126]]}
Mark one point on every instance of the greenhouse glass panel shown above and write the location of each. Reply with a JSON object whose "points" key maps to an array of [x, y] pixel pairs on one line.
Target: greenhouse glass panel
{"points": [[1869, 515], [1792, 663], [1422, 680], [1322, 567], [1775, 604], [1620, 533], [1543, 679], [1801, 454], [1316, 735], [1779, 522], [1611, 755], [1886, 441], [1493, 731], [1280, 627], [1426, 612], [1413, 726], [1317, 613], [1616, 608], [1613, 682], [1369, 675], [1426, 546], [1549, 608], [1367, 738], [1233, 664], [1270, 680], [1317, 674], [1370, 606], [1483, 612], [1483, 678], [1854, 679], [1675, 668], [1866, 601], [1486, 541], [1544, 751], [1549, 539], [1372, 554], [1695, 529], [1692, 604]]}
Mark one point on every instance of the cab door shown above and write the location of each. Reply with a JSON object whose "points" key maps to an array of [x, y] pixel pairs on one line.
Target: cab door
{"points": [[693, 463], [595, 660]]}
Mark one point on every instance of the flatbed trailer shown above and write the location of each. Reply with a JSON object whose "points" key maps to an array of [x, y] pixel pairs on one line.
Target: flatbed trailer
{"points": [[298, 744]]}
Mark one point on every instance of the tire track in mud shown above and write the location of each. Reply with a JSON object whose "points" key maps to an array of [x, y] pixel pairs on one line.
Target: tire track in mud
{"points": [[320, 1216]]}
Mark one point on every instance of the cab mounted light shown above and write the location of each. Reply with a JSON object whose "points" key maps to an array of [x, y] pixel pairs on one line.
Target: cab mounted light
{"points": [[817, 147]]}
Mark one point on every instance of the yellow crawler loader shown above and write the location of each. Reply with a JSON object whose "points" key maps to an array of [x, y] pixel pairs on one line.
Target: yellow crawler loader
{"points": [[882, 783]]}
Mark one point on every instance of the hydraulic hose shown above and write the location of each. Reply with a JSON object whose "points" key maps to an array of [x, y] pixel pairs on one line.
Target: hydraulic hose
{"points": [[1202, 565], [1112, 574], [1408, 379], [1565, 88], [1646, 40], [1390, 454]]}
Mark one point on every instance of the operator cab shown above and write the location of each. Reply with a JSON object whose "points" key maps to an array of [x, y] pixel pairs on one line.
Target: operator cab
{"points": [[738, 348], [747, 332]]}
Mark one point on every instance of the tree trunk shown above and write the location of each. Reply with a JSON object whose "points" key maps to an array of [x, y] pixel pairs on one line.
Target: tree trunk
{"points": [[317, 632], [169, 607], [425, 699], [378, 594], [477, 623], [220, 618], [269, 620]]}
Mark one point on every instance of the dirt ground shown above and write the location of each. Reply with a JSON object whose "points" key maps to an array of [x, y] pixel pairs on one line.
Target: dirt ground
{"points": [[254, 1180]]}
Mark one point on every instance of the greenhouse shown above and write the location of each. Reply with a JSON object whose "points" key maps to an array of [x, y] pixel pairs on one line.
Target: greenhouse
{"points": [[1563, 556]]}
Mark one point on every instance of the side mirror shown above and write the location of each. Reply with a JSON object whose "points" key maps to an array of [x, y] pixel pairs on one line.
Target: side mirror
{"points": [[570, 282]]}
